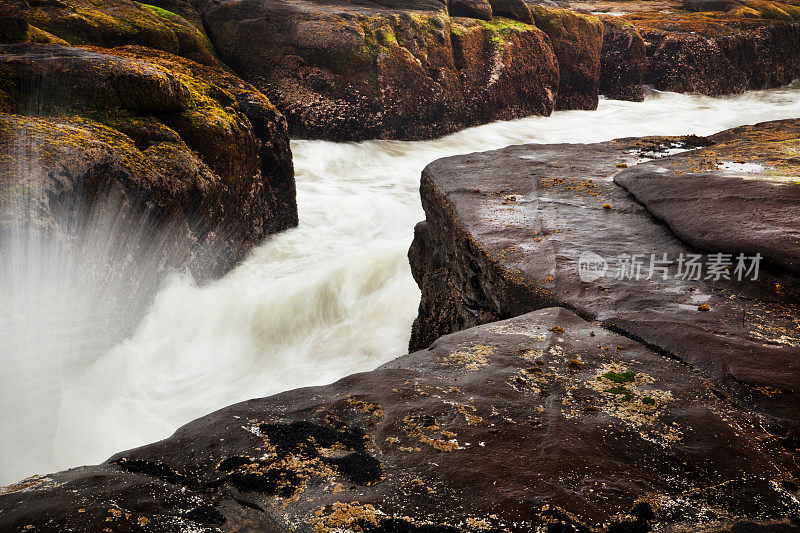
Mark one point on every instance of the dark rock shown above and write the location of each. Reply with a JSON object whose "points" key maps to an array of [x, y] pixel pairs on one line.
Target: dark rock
{"points": [[577, 40], [348, 72], [185, 8], [503, 236], [513, 9], [109, 23], [720, 54], [476, 9], [494, 428], [345, 71], [12, 28], [750, 8], [189, 147], [622, 61], [709, 5], [741, 195]]}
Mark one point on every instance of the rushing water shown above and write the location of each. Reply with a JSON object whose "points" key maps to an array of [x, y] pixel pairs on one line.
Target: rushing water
{"points": [[329, 298]]}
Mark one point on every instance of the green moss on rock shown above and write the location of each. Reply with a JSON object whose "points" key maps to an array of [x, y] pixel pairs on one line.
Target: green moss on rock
{"points": [[624, 393], [160, 11], [110, 24], [620, 377], [501, 28]]}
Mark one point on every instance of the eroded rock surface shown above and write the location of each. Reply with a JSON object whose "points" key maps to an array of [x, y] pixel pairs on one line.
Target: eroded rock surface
{"points": [[505, 232], [423, 68], [384, 71], [108, 23], [181, 144], [741, 195], [719, 52], [344, 71], [623, 60], [543, 422]]}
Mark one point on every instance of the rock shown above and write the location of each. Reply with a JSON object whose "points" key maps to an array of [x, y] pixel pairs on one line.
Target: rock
{"points": [[717, 54], [191, 146], [747, 8], [622, 61], [741, 195], [709, 5], [108, 23], [578, 42], [543, 422], [514, 9], [343, 71], [347, 72], [185, 8], [476, 9], [522, 79], [507, 231]]}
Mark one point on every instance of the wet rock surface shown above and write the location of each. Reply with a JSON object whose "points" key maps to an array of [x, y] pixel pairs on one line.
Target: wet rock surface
{"points": [[618, 404], [175, 145], [108, 24], [343, 71], [741, 195], [542, 422], [506, 232], [720, 52], [376, 70]]}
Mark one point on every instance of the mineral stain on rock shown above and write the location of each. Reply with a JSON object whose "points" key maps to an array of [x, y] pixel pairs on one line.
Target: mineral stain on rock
{"points": [[297, 451]]}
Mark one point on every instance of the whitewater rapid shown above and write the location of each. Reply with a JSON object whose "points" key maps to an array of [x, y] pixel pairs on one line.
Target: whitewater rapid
{"points": [[332, 297]]}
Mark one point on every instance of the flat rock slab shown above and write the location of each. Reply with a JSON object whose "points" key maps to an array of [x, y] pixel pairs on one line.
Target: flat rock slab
{"points": [[506, 232], [543, 421], [741, 195]]}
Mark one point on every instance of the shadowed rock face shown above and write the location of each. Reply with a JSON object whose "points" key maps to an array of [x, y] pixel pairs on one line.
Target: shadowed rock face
{"points": [[543, 421], [188, 147], [343, 71], [378, 71], [721, 52], [108, 23], [623, 60], [503, 235], [741, 195]]}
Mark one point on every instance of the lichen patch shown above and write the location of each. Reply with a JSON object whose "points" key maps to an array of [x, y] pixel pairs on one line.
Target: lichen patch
{"points": [[426, 430], [355, 517], [471, 358], [28, 484], [633, 398]]}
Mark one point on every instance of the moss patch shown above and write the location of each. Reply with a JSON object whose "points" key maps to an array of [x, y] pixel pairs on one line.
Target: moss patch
{"points": [[124, 22], [620, 377], [621, 391], [500, 29], [161, 12]]}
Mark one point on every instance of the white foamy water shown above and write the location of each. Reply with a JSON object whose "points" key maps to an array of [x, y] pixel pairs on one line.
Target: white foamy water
{"points": [[329, 298]]}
